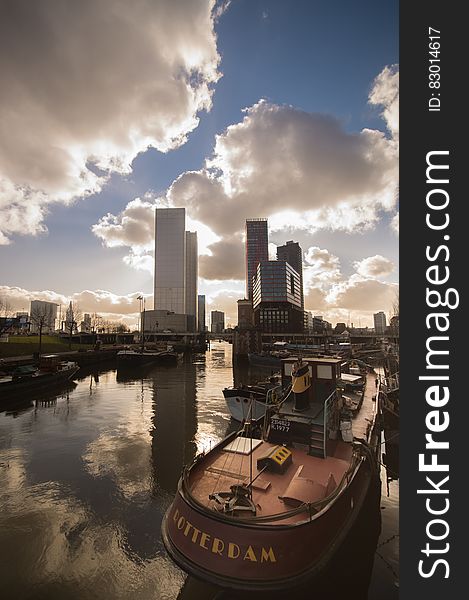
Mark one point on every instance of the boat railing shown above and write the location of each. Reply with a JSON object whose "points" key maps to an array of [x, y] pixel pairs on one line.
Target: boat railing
{"points": [[390, 383], [327, 403]]}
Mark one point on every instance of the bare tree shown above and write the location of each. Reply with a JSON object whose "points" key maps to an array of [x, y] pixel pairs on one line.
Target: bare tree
{"points": [[72, 318], [95, 322], [5, 307], [40, 318]]}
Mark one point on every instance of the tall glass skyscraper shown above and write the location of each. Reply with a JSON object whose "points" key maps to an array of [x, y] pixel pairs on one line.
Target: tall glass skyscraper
{"points": [[176, 264], [257, 249], [192, 259], [170, 226], [201, 312]]}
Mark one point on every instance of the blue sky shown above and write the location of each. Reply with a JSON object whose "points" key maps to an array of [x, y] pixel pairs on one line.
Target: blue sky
{"points": [[316, 57]]}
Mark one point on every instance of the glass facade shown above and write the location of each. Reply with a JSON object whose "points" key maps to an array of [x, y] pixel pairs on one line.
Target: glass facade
{"points": [[217, 318], [276, 281], [176, 264], [277, 297], [201, 312], [292, 254], [191, 267], [257, 249]]}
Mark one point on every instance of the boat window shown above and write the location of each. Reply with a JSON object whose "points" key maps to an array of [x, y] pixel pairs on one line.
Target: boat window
{"points": [[324, 372]]}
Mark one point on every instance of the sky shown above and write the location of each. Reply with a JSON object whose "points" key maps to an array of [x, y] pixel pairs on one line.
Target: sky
{"points": [[233, 110]]}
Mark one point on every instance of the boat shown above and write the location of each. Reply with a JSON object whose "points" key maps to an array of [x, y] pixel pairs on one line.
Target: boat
{"points": [[251, 401], [271, 512], [268, 359], [51, 371], [131, 357], [137, 358]]}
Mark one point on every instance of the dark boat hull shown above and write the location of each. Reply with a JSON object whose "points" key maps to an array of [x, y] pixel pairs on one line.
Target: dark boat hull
{"points": [[259, 360], [245, 556], [32, 385]]}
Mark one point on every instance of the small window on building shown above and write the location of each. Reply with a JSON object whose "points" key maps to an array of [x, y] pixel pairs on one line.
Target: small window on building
{"points": [[292, 285]]}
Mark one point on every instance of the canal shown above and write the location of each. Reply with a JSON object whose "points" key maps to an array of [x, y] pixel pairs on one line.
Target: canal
{"points": [[86, 476]]}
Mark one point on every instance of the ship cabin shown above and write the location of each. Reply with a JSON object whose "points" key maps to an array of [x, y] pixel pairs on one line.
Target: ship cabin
{"points": [[310, 414], [49, 363]]}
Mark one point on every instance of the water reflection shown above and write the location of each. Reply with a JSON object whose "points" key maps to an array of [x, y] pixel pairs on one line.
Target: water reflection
{"points": [[87, 473], [174, 424]]}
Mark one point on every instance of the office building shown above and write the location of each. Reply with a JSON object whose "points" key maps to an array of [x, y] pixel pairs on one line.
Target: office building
{"points": [[164, 321], [217, 321], [245, 315], [176, 265], [276, 298], [380, 322], [170, 224], [43, 314], [192, 272], [201, 312], [292, 254], [85, 326], [257, 249]]}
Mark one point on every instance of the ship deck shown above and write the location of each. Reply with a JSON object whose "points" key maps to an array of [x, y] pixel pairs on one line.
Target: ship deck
{"points": [[307, 479]]}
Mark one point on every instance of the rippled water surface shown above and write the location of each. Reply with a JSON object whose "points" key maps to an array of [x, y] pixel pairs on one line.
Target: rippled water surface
{"points": [[86, 476]]}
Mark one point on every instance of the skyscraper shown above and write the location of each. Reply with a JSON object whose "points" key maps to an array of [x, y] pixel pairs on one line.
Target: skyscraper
{"points": [[43, 315], [176, 264], [201, 313], [257, 249], [191, 279], [292, 254], [380, 322], [170, 224], [217, 319]]}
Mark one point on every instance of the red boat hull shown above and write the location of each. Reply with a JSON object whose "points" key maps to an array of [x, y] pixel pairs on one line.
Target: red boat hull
{"points": [[241, 555]]}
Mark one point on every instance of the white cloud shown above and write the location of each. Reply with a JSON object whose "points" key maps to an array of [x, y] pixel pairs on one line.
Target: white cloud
{"points": [[109, 79], [355, 298], [134, 227], [320, 270], [385, 93], [361, 294], [272, 251], [395, 223], [100, 301], [374, 266], [279, 156]]}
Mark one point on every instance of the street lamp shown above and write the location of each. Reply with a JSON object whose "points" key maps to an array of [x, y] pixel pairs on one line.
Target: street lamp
{"points": [[141, 298]]}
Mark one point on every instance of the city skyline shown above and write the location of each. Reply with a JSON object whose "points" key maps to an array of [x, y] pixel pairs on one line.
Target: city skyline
{"points": [[298, 124]]}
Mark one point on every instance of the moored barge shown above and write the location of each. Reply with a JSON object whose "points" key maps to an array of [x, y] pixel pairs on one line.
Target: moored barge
{"points": [[270, 513]]}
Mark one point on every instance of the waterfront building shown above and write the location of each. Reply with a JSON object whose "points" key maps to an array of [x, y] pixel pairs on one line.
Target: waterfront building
{"points": [[157, 321], [291, 252], [217, 320], [43, 314], [257, 249], [169, 291], [380, 322], [276, 298], [201, 313], [176, 265], [192, 272], [85, 326], [245, 314]]}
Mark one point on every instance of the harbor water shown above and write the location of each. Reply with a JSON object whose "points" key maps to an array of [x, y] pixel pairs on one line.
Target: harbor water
{"points": [[87, 474]]}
